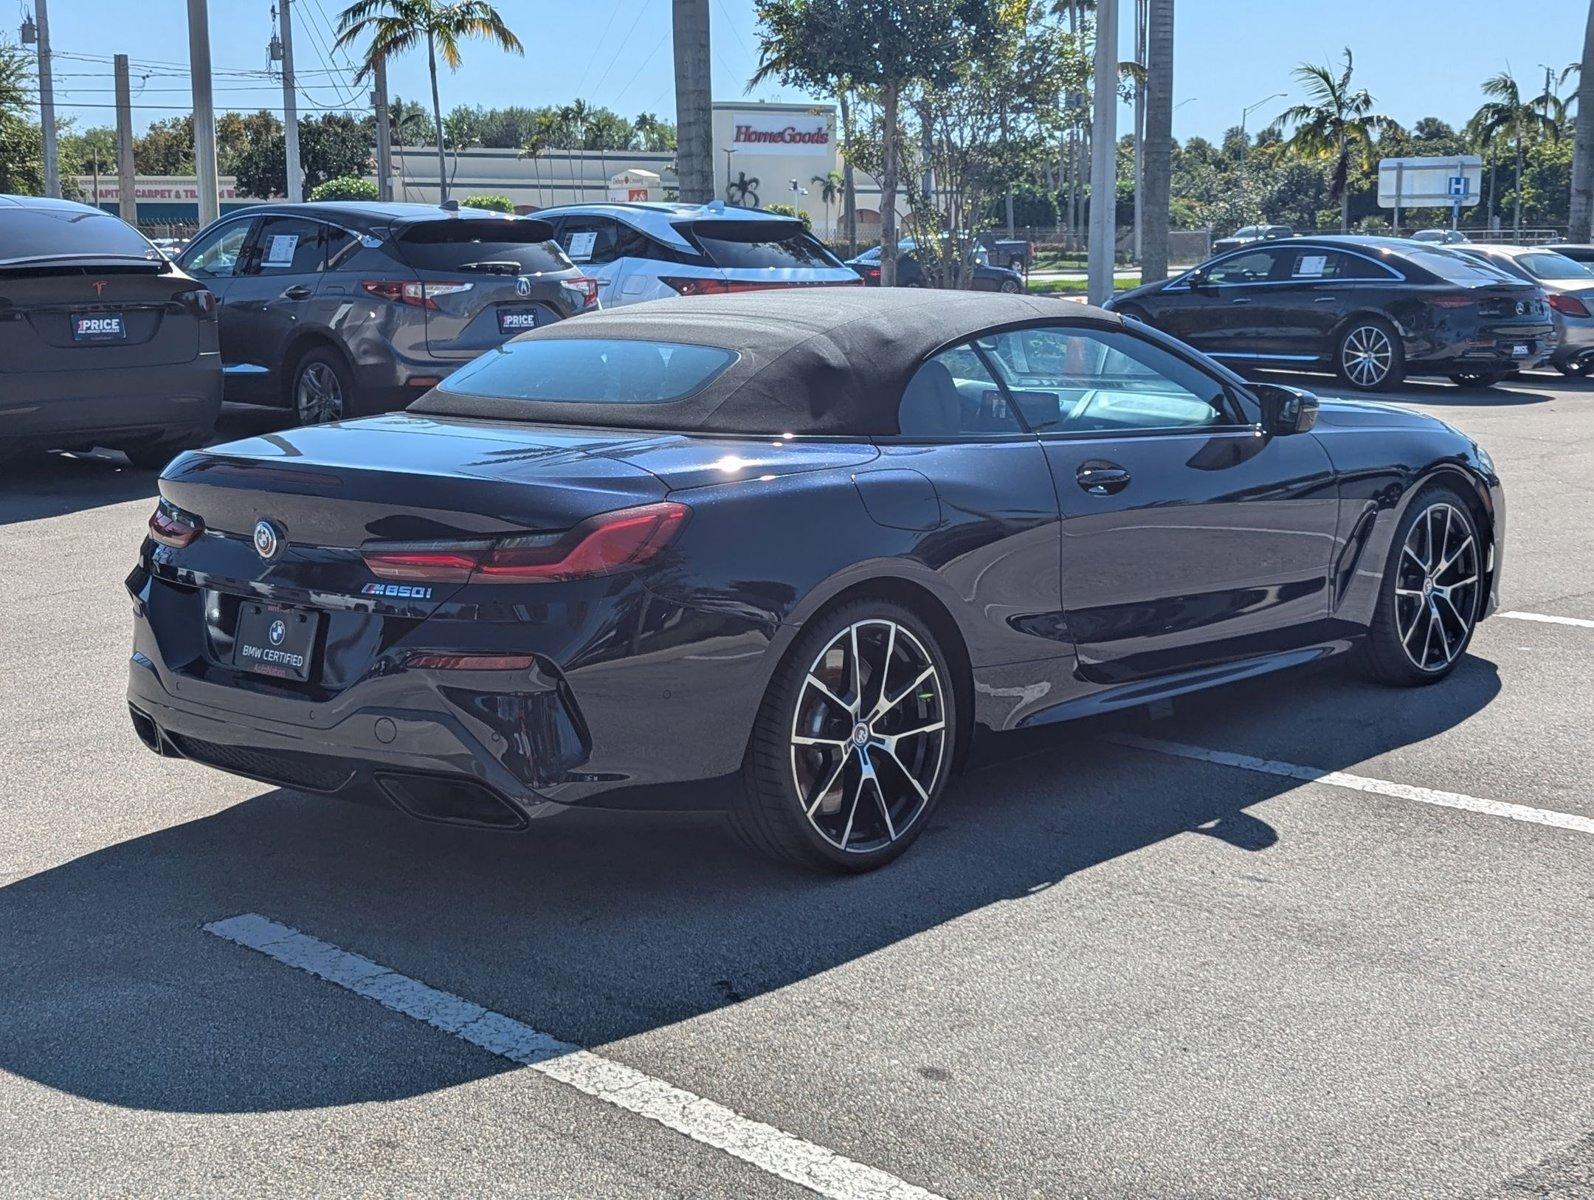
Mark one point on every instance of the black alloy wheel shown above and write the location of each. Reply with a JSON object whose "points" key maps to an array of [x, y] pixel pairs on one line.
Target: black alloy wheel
{"points": [[854, 742], [1432, 592], [1370, 356], [322, 390]]}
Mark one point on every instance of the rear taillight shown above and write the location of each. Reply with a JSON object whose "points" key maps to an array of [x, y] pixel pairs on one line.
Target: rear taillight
{"points": [[1462, 301], [414, 293], [691, 286], [201, 300], [171, 526], [872, 273], [586, 289], [1568, 306], [600, 545]]}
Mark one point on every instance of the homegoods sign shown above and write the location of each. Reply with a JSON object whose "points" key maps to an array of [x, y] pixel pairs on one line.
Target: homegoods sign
{"points": [[781, 133]]}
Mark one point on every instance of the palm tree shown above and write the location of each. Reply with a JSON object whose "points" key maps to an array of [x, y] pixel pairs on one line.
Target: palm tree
{"points": [[1158, 146], [397, 26], [1336, 124], [830, 185], [742, 189], [1508, 115], [1582, 225]]}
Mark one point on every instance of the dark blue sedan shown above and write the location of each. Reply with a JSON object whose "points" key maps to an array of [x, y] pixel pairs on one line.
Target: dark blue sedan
{"points": [[784, 553]]}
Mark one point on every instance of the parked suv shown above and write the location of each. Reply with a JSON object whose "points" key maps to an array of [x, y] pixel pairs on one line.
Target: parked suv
{"points": [[103, 342], [642, 252], [342, 308]]}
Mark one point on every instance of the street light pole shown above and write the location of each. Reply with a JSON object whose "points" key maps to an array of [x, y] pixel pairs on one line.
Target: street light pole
{"points": [[1245, 172]]}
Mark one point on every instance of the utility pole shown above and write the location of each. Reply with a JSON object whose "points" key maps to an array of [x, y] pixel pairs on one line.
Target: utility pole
{"points": [[384, 134], [52, 160], [694, 131], [1140, 122], [290, 104], [1104, 156], [204, 111], [127, 202]]}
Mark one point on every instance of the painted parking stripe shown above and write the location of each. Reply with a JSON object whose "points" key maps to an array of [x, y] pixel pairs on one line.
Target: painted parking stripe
{"points": [[1549, 620], [1360, 783], [765, 1147]]}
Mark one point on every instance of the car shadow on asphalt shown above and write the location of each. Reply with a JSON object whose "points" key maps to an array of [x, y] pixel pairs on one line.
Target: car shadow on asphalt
{"points": [[39, 486], [592, 926]]}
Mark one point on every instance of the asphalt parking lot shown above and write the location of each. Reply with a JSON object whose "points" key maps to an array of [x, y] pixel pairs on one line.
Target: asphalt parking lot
{"points": [[1118, 965]]}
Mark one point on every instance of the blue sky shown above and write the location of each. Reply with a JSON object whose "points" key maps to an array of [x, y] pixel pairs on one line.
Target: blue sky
{"points": [[1419, 58]]}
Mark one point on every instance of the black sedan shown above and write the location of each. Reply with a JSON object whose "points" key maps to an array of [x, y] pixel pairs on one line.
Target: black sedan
{"points": [[910, 271], [103, 342], [784, 553], [1375, 310]]}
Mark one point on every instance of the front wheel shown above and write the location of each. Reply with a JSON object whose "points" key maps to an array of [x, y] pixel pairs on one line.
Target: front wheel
{"points": [[853, 744], [1431, 594], [1370, 357], [1012, 287]]}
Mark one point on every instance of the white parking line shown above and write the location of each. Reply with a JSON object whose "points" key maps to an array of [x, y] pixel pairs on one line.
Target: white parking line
{"points": [[1360, 783], [765, 1147], [1549, 620]]}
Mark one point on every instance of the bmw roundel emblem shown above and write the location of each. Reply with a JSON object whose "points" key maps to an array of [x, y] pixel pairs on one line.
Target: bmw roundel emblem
{"points": [[267, 540], [522, 286], [277, 632]]}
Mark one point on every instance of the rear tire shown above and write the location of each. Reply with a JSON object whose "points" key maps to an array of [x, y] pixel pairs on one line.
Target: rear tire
{"points": [[1478, 380], [1012, 287], [1431, 594], [1370, 356], [853, 744], [153, 455], [322, 388], [1576, 368]]}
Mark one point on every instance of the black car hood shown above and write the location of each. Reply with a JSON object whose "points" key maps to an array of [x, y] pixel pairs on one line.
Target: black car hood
{"points": [[1370, 414]]}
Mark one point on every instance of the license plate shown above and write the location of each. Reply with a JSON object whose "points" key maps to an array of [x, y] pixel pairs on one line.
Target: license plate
{"points": [[275, 641], [1519, 350], [516, 320], [98, 327]]}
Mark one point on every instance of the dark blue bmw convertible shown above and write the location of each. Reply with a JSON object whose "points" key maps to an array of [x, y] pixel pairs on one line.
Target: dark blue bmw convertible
{"points": [[784, 553]]}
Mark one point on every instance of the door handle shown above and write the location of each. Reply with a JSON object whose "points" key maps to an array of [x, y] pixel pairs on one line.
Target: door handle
{"points": [[297, 292], [1241, 300], [1102, 478], [1325, 299]]}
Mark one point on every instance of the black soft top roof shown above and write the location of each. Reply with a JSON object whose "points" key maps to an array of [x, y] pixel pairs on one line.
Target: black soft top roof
{"points": [[812, 360]]}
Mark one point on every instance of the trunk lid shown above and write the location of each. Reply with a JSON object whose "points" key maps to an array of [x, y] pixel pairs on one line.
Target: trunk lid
{"points": [[113, 317], [487, 279]]}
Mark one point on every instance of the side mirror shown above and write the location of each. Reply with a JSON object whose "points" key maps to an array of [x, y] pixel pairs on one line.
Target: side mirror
{"points": [[1199, 279], [1286, 410]]}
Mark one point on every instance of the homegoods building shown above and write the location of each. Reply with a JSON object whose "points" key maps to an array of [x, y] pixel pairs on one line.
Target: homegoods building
{"points": [[759, 150]]}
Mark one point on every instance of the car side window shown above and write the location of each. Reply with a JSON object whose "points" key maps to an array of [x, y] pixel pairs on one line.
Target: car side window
{"points": [[215, 256], [1074, 379], [337, 247], [1250, 266], [953, 395], [1310, 266], [589, 240], [286, 246]]}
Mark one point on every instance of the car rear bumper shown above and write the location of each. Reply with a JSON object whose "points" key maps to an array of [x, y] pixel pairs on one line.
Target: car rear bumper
{"points": [[71, 407]]}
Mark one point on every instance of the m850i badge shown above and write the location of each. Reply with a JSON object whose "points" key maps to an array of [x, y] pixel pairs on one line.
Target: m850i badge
{"points": [[407, 591]]}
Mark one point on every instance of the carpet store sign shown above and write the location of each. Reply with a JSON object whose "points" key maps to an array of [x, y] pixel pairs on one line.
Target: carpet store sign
{"points": [[781, 133]]}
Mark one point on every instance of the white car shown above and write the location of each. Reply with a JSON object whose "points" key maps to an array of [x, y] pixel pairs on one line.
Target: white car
{"points": [[647, 251]]}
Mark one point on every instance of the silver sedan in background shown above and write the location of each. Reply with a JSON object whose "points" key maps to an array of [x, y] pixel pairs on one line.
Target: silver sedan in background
{"points": [[1567, 284]]}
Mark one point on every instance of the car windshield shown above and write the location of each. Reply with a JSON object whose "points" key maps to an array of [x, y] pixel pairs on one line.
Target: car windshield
{"points": [[44, 234], [1454, 266], [1546, 264], [761, 244], [589, 371], [471, 244]]}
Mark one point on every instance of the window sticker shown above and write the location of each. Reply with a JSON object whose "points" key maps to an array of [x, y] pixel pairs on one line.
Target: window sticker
{"points": [[580, 246], [279, 250], [1311, 266]]}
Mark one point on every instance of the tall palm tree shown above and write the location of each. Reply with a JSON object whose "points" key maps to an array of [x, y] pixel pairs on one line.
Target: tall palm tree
{"points": [[397, 26], [1508, 114], [830, 185], [1335, 124], [1158, 147], [1582, 229]]}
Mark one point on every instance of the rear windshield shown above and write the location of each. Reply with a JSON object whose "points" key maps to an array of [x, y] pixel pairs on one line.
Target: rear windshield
{"points": [[36, 234], [1546, 264], [511, 246], [1455, 266], [761, 244], [589, 371]]}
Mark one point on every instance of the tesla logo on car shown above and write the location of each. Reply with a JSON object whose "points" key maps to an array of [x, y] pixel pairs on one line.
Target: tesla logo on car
{"points": [[99, 287], [267, 539], [522, 286], [277, 632]]}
